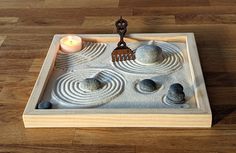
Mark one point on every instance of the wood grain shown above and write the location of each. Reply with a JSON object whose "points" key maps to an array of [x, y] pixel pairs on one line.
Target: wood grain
{"points": [[205, 19], [81, 3], [2, 38], [21, 3], [166, 3], [216, 40], [199, 10], [7, 21], [108, 21]]}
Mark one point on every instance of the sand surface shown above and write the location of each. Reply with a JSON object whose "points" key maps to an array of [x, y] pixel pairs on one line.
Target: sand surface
{"points": [[120, 78]]}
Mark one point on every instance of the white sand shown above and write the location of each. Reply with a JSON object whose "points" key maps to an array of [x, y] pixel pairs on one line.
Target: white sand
{"points": [[122, 78]]}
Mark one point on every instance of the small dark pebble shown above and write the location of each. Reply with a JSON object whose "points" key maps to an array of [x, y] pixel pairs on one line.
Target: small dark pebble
{"points": [[45, 105], [175, 94], [147, 85]]}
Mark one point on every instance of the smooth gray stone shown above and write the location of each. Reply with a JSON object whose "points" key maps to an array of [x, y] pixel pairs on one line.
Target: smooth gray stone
{"points": [[147, 85], [176, 87], [175, 94], [176, 97], [148, 54], [45, 105], [90, 84]]}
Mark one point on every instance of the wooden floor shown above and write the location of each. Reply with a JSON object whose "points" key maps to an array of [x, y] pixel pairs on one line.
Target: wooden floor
{"points": [[27, 27]]}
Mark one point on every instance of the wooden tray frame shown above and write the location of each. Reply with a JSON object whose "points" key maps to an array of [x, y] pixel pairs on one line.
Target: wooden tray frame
{"points": [[201, 117]]}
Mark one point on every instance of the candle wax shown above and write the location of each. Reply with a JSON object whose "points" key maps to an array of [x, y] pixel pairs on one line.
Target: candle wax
{"points": [[71, 44]]}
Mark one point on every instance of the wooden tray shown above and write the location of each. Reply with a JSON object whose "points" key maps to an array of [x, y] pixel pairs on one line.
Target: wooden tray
{"points": [[198, 117]]}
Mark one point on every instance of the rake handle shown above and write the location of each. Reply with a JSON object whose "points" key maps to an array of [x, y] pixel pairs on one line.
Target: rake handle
{"points": [[121, 26]]}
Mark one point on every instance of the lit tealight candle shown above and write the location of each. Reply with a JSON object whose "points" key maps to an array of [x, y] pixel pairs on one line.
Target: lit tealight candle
{"points": [[70, 44]]}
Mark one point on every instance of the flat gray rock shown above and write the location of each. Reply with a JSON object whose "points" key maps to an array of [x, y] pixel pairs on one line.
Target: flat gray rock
{"points": [[147, 85], [90, 84]]}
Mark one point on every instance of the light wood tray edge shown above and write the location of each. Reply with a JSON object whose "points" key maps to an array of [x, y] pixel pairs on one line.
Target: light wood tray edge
{"points": [[50, 118]]}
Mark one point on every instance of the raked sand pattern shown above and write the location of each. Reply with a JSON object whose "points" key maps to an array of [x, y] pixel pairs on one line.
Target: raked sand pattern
{"points": [[89, 52], [67, 89], [172, 61]]}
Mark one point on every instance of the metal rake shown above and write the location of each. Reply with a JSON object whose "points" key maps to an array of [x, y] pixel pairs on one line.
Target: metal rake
{"points": [[122, 52]]}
